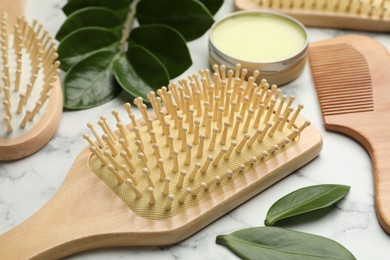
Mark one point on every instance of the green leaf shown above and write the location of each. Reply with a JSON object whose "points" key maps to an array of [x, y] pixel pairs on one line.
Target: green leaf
{"points": [[90, 17], [89, 83], [305, 200], [118, 5], [280, 244], [85, 42], [140, 72], [191, 18], [212, 5], [166, 44]]}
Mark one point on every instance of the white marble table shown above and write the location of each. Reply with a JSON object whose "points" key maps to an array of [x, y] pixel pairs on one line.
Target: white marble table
{"points": [[26, 185]]}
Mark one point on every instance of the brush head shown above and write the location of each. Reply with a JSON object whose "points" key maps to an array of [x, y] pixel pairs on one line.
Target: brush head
{"points": [[359, 15], [176, 170], [31, 97], [198, 141]]}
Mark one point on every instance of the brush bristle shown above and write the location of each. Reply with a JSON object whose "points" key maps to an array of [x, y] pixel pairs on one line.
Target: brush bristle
{"points": [[28, 70], [375, 9], [202, 135]]}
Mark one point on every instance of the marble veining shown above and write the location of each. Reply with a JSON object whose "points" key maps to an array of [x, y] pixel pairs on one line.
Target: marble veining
{"points": [[26, 185]]}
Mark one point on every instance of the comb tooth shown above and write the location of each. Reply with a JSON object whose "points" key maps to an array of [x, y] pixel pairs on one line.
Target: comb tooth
{"points": [[160, 163], [128, 175], [280, 106], [344, 84]]}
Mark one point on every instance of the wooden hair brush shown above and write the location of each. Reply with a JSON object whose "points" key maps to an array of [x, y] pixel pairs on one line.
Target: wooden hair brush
{"points": [[351, 75], [31, 95], [366, 15], [206, 148]]}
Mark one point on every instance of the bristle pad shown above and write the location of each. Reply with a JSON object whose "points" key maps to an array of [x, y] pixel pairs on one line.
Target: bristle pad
{"points": [[28, 70], [342, 78], [379, 9], [160, 183]]}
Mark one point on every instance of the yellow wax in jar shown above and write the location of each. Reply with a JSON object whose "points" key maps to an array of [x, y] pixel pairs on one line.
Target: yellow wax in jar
{"points": [[258, 37]]}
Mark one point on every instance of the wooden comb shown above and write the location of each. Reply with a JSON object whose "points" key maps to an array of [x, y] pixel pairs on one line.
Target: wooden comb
{"points": [[31, 93], [351, 75], [366, 15], [206, 148]]}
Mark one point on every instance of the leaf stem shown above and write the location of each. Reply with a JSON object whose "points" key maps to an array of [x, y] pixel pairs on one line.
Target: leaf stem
{"points": [[128, 25]]}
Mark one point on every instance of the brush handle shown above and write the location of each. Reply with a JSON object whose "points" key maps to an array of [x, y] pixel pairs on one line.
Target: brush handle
{"points": [[372, 130], [77, 218]]}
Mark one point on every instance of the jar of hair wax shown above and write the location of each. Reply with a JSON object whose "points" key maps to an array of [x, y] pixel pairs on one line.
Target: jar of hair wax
{"points": [[271, 42]]}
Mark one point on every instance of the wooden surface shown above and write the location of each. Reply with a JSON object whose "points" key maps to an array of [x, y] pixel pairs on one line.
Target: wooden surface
{"points": [[13, 8], [371, 127], [39, 135], [318, 18], [85, 214]]}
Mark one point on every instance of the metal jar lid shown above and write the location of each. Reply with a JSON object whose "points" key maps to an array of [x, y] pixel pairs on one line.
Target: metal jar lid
{"points": [[276, 72]]}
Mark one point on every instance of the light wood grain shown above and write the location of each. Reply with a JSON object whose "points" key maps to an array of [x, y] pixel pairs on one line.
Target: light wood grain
{"points": [[13, 8], [37, 137], [371, 128], [320, 18], [85, 214]]}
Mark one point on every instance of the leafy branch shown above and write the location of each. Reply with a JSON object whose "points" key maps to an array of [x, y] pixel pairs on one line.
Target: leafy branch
{"points": [[102, 52]]}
